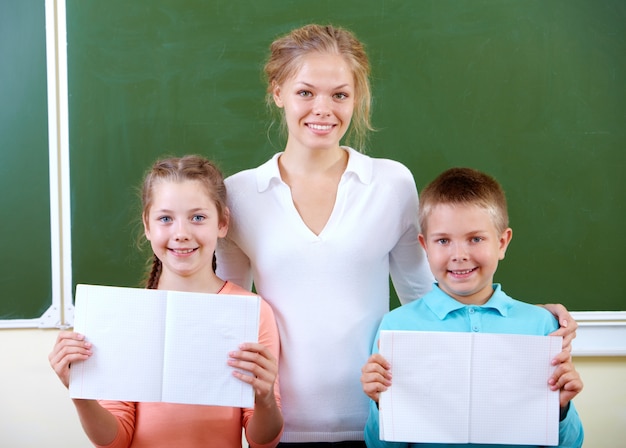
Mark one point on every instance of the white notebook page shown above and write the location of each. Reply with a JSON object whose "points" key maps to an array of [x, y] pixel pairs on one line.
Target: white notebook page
{"points": [[469, 388], [154, 345]]}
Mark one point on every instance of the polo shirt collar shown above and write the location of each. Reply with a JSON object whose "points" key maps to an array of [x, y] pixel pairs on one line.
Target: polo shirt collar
{"points": [[268, 173], [358, 164], [442, 304]]}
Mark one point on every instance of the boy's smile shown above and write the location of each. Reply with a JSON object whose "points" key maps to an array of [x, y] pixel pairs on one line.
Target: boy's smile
{"points": [[463, 248]]}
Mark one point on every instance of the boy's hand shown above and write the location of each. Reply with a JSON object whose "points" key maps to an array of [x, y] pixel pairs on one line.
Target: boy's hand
{"points": [[375, 376], [565, 378], [567, 324]]}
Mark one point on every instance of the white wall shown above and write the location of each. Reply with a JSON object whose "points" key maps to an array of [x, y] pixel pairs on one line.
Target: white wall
{"points": [[36, 410], [35, 407]]}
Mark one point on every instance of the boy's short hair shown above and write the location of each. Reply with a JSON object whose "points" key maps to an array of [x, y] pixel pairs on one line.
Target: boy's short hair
{"points": [[462, 186]]}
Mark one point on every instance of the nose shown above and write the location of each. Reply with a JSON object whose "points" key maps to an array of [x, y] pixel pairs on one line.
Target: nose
{"points": [[181, 232], [459, 252], [322, 106]]}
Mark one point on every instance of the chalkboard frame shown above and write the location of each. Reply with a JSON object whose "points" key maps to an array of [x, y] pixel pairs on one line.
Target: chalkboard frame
{"points": [[52, 315]]}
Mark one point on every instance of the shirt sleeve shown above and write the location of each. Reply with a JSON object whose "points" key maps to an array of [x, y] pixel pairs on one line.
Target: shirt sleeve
{"points": [[408, 264], [233, 264], [124, 412], [571, 433]]}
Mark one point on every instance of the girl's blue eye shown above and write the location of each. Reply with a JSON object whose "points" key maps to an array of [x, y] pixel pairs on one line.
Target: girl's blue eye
{"points": [[476, 239], [165, 219], [198, 218]]}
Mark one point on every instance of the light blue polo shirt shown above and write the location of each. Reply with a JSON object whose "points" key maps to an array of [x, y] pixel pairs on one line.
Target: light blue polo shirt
{"points": [[437, 311]]}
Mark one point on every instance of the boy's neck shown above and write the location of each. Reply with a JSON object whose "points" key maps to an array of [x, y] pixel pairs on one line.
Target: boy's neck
{"points": [[477, 299]]}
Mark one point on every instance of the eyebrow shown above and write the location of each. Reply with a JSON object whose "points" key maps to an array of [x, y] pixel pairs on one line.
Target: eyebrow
{"points": [[193, 210], [342, 86], [471, 232]]}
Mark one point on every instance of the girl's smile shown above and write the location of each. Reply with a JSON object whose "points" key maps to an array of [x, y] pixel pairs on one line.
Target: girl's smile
{"points": [[183, 227]]}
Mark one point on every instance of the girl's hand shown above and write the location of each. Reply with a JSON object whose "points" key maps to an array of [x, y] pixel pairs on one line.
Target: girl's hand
{"points": [[375, 376], [69, 347], [567, 324], [257, 360]]}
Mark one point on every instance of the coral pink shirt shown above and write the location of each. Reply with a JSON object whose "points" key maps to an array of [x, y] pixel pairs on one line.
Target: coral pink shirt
{"points": [[185, 426]]}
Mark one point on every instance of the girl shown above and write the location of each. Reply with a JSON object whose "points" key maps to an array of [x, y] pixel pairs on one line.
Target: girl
{"points": [[184, 214], [319, 228]]}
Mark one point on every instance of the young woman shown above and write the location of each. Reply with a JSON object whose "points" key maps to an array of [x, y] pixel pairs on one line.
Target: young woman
{"points": [[184, 214], [319, 228]]}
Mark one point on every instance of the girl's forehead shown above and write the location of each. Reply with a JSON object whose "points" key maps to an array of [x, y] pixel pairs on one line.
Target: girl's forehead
{"points": [[188, 188]]}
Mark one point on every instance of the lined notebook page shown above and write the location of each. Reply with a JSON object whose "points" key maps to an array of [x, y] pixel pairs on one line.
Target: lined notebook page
{"points": [[127, 329], [196, 353], [469, 388], [427, 386], [153, 345], [511, 400]]}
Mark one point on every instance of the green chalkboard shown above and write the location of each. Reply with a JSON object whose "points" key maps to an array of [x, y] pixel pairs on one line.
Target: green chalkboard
{"points": [[532, 92], [25, 261]]}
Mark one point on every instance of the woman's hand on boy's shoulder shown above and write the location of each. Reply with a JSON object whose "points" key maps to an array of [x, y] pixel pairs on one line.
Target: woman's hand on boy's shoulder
{"points": [[567, 324]]}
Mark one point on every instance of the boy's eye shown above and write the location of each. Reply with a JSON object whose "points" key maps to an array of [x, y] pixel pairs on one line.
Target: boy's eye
{"points": [[442, 241], [476, 239]]}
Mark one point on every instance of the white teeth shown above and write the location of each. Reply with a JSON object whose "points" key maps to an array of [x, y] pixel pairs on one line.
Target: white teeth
{"points": [[463, 272], [183, 251], [319, 127]]}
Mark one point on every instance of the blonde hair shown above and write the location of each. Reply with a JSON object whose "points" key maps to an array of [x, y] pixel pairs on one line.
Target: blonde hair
{"points": [[287, 52], [180, 169], [464, 186]]}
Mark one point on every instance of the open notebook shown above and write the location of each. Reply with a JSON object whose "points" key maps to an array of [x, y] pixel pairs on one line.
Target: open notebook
{"points": [[155, 345], [469, 388]]}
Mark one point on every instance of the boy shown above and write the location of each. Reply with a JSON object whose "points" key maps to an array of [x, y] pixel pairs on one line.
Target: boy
{"points": [[465, 232]]}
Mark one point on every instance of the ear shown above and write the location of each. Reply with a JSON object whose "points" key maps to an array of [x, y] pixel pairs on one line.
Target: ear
{"points": [[276, 94], [505, 239], [422, 240], [222, 229]]}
